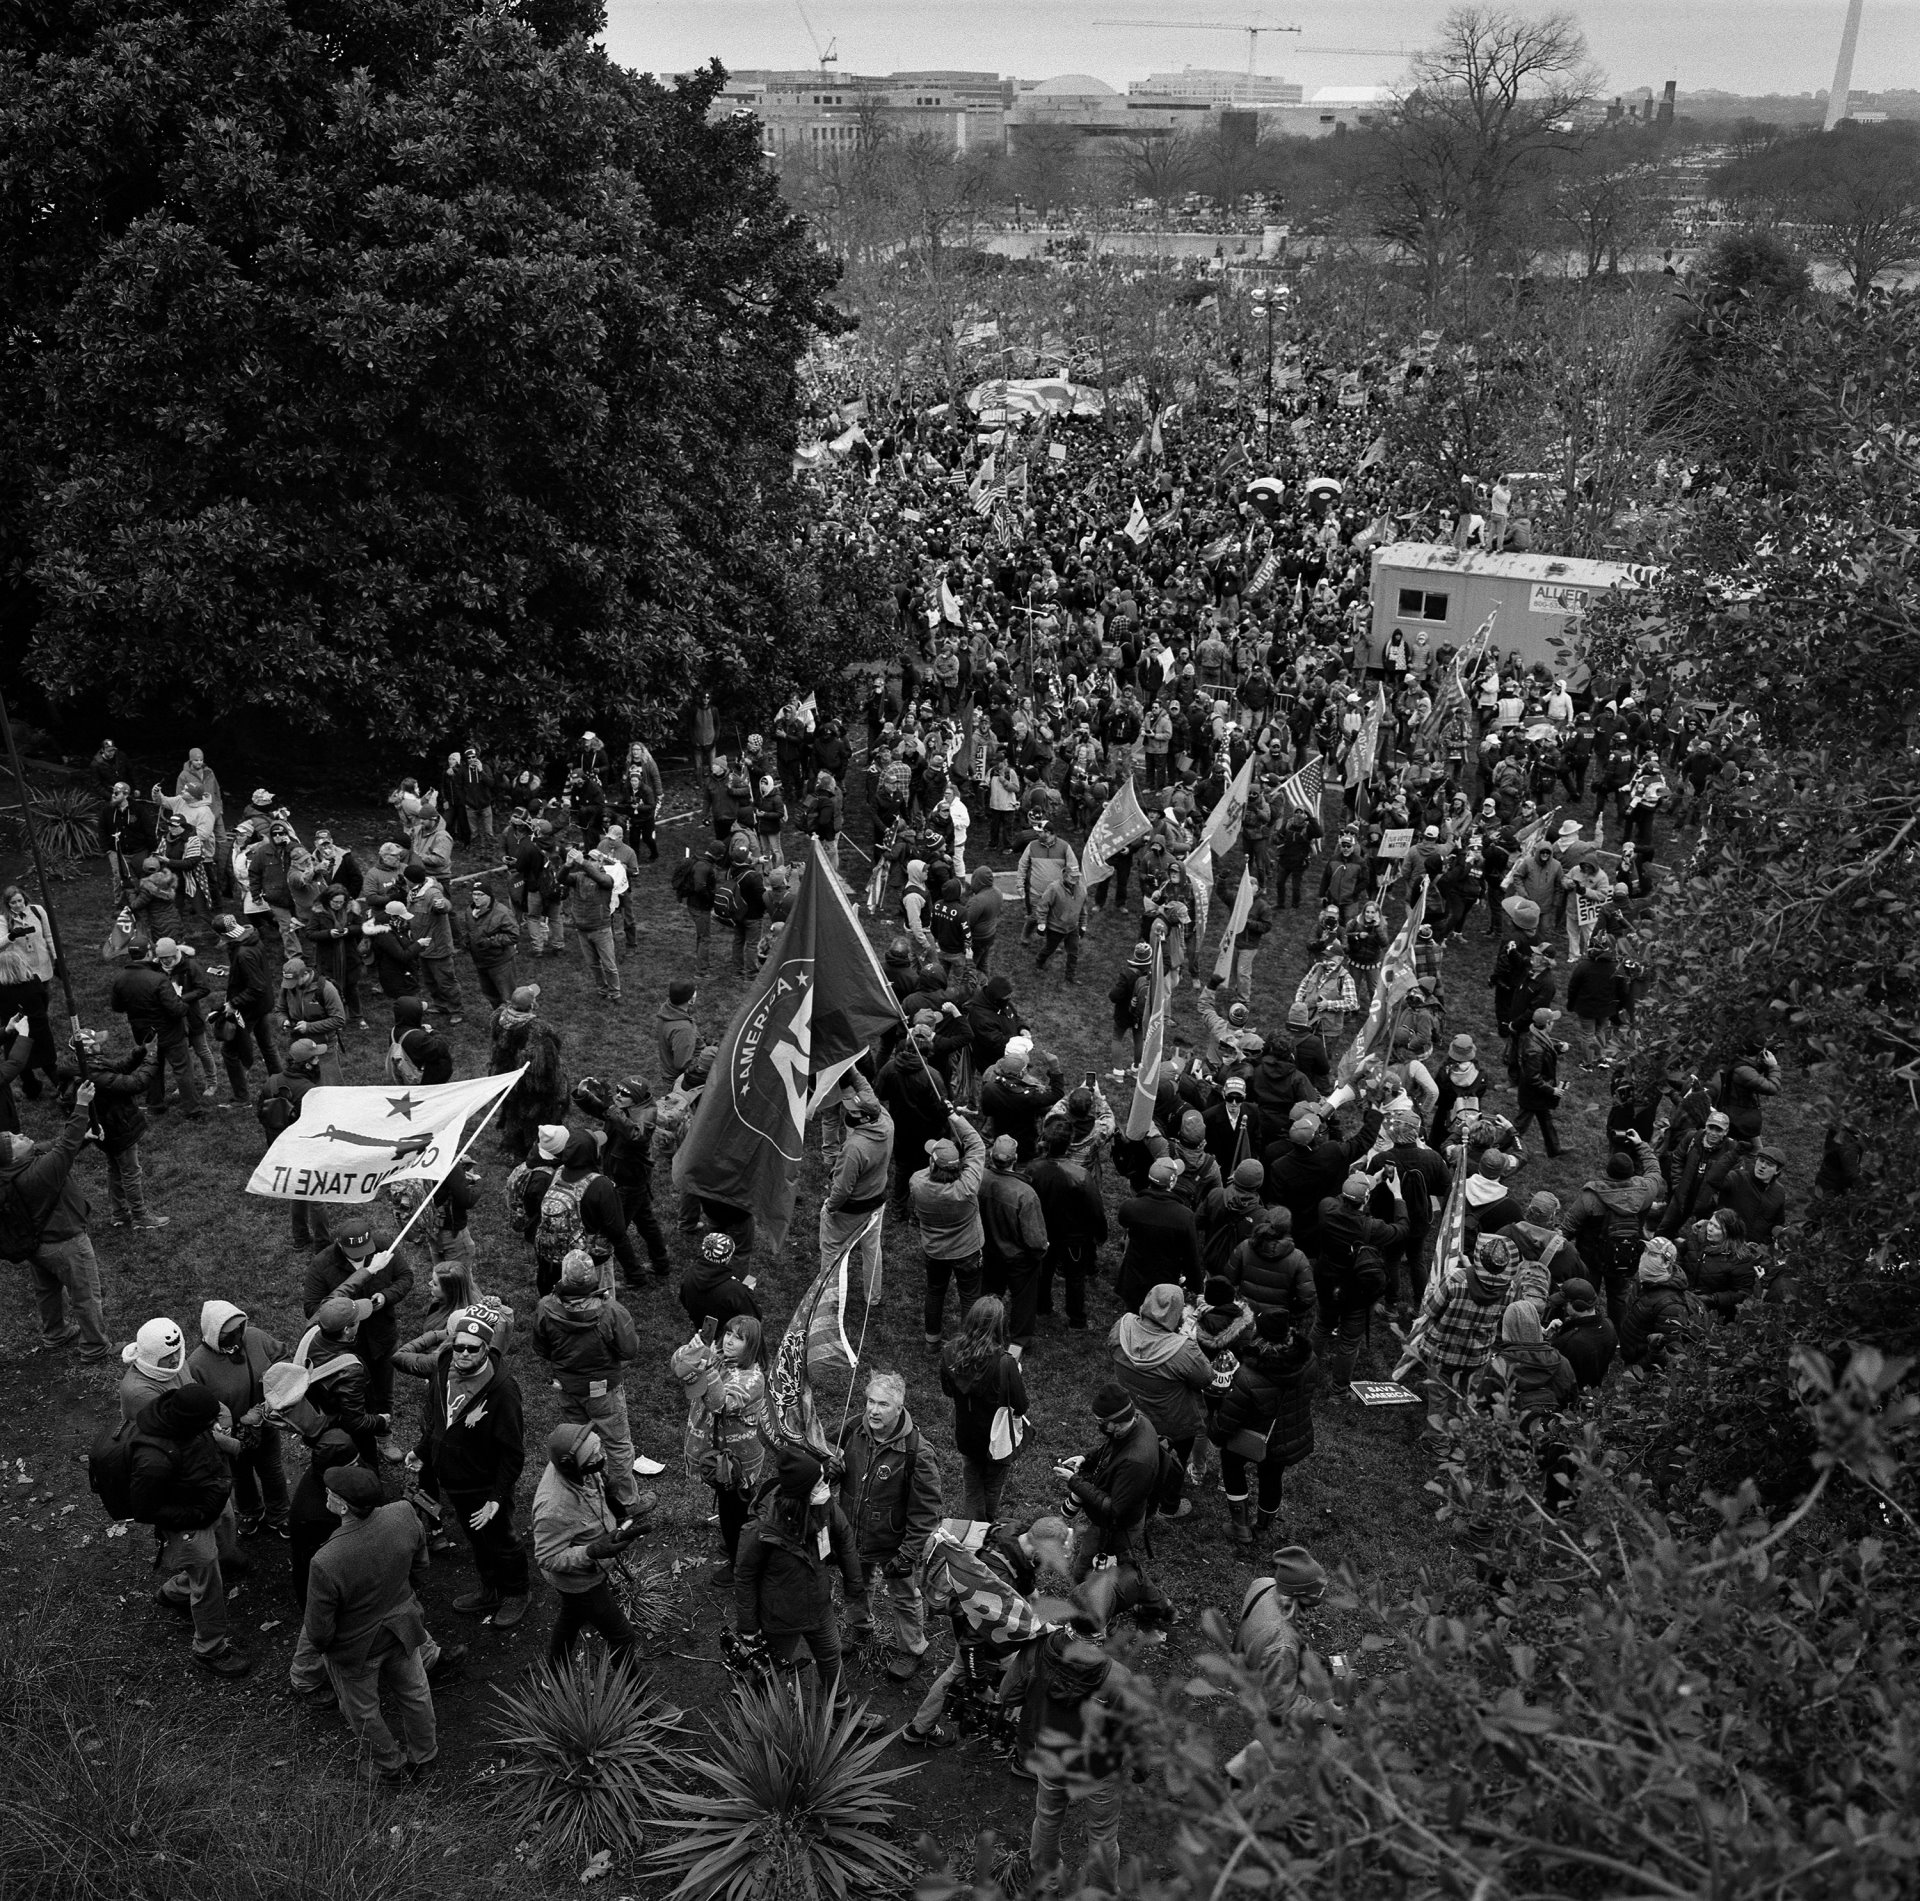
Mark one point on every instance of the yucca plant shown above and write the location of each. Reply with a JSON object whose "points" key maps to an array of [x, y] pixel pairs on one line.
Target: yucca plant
{"points": [[791, 1808], [589, 1749], [645, 1590], [66, 824]]}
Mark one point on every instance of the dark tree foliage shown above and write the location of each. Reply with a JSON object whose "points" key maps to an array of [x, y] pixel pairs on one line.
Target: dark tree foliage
{"points": [[393, 369], [1745, 279], [1795, 596]]}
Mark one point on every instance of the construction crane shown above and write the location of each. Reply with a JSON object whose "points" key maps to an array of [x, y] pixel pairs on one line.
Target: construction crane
{"points": [[829, 55], [1253, 29]]}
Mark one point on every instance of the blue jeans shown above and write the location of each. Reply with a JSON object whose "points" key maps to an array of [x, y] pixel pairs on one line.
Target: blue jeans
{"points": [[596, 950], [1102, 1805]]}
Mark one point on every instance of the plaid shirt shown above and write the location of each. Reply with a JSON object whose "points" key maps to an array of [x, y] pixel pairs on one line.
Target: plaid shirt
{"points": [[1456, 1334], [1427, 959]]}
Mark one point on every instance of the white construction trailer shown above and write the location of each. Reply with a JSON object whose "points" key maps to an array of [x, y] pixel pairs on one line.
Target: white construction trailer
{"points": [[1437, 596]]}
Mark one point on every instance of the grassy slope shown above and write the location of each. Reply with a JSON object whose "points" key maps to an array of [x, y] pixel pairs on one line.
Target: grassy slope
{"points": [[1358, 1502]]}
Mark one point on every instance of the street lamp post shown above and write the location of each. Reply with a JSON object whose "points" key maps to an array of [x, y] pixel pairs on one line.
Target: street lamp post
{"points": [[1263, 297]]}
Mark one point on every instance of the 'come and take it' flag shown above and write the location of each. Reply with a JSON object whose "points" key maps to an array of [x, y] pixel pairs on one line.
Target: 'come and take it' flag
{"points": [[818, 999], [350, 1143]]}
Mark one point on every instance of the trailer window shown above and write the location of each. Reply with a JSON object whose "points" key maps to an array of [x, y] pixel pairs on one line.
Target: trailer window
{"points": [[1416, 605]]}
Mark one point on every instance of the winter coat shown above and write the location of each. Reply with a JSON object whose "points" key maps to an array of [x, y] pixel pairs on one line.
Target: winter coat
{"points": [[151, 1003], [249, 977], [1653, 1308], [44, 1183], [1270, 1272], [1588, 1346], [119, 1089], [1272, 1393], [677, 1037], [1163, 1370], [727, 1412], [588, 1340], [363, 1586], [493, 940], [1163, 1245], [326, 1276], [179, 1478], [948, 1212], [978, 1392], [1013, 1230], [889, 1490], [568, 1515], [1761, 1205], [781, 1583], [1114, 1487], [1014, 1104], [480, 1451]]}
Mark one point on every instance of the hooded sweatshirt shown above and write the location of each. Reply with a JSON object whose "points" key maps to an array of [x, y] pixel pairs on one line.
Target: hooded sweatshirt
{"points": [[1162, 1369], [1534, 1377], [232, 1378]]}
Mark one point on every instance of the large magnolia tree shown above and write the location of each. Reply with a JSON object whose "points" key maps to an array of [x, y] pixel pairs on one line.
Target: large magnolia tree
{"points": [[391, 369], [1795, 596]]}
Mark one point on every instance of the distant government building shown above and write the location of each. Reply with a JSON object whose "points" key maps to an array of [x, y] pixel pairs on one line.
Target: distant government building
{"points": [[817, 111]]}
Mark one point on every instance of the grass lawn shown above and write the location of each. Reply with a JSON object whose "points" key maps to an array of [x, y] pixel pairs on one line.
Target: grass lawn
{"points": [[1358, 1502]]}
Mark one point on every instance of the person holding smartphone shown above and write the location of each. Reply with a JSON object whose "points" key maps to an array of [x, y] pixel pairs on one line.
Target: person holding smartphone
{"points": [[728, 1420]]}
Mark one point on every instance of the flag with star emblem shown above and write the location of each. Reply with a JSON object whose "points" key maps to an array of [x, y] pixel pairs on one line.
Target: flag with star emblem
{"points": [[348, 1144], [818, 1000]]}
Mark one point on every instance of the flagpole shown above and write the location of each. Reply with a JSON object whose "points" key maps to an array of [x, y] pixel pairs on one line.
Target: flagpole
{"points": [[460, 1155], [39, 869]]}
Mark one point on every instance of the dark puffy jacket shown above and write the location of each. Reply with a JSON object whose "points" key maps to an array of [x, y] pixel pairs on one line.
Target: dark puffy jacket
{"points": [[180, 1478], [1271, 1272], [889, 1490], [1723, 1275], [1662, 1309], [1278, 1084], [118, 1090], [585, 1338], [1272, 1387]]}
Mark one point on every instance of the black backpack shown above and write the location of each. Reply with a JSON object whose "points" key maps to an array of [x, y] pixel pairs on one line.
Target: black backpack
{"points": [[110, 1468], [19, 1226]]}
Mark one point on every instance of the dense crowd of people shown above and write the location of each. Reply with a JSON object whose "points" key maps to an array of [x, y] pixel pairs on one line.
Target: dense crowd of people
{"points": [[1283, 1220]]}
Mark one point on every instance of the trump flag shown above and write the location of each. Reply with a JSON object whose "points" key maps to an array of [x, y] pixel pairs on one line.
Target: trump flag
{"points": [[818, 1000], [350, 1143]]}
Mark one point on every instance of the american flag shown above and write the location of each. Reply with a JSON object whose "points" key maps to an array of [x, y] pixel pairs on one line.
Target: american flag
{"points": [[1449, 1252], [1146, 1075], [1529, 836], [1303, 790], [1390, 991], [814, 1344]]}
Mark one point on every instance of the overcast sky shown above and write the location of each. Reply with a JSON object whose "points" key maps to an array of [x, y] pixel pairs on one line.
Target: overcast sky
{"points": [[1732, 45]]}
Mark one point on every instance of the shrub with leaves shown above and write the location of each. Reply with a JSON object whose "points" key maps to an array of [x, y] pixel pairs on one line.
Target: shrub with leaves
{"points": [[791, 1807], [1635, 1709], [590, 1749]]}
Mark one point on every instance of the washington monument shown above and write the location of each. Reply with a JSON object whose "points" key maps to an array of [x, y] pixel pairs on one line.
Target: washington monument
{"points": [[1843, 68]]}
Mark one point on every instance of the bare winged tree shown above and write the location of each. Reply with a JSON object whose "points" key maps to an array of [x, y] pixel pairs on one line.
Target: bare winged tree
{"points": [[1487, 107]]}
